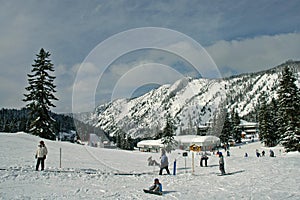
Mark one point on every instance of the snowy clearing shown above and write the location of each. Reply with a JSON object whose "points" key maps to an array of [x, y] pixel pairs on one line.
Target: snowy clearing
{"points": [[94, 173]]}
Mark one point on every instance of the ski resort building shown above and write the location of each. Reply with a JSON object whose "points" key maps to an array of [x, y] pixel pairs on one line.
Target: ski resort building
{"points": [[206, 143], [150, 145], [249, 130]]}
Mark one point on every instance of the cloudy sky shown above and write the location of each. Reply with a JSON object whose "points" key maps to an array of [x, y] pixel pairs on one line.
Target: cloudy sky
{"points": [[235, 36]]}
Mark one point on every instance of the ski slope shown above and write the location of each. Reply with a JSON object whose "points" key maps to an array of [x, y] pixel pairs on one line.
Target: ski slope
{"points": [[94, 173]]}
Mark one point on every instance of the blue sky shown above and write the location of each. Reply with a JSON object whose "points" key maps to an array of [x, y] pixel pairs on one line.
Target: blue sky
{"points": [[240, 36]]}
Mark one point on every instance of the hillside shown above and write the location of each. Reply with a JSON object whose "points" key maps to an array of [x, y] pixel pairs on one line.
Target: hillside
{"points": [[94, 173], [190, 102]]}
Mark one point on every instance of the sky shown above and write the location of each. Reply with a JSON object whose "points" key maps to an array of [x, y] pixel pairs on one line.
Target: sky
{"points": [[100, 47]]}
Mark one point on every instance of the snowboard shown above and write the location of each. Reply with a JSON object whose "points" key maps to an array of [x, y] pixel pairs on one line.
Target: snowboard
{"points": [[152, 192]]}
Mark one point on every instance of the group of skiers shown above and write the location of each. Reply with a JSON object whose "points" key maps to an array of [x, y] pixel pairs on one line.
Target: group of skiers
{"points": [[157, 186], [42, 152], [272, 154], [164, 162]]}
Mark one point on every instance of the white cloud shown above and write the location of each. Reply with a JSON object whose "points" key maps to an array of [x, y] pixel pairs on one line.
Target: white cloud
{"points": [[255, 54], [144, 74]]}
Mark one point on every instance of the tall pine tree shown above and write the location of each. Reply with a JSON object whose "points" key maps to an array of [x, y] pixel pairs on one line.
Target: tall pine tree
{"points": [[168, 135], [40, 95], [267, 123], [226, 132], [236, 133], [289, 111]]}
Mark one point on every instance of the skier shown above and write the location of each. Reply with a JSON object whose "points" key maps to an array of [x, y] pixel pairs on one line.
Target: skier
{"points": [[164, 163], [228, 153], [203, 158], [40, 155], [257, 153], [156, 187], [272, 153], [263, 153], [221, 163]]}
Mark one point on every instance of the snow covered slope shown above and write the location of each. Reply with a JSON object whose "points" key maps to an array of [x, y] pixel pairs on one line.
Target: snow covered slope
{"points": [[94, 173], [188, 101]]}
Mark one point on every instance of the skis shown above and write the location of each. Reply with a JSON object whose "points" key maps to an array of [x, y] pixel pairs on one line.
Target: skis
{"points": [[152, 192], [224, 174]]}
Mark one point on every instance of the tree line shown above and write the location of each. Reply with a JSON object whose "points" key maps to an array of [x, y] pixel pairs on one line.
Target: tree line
{"points": [[17, 120], [278, 119]]}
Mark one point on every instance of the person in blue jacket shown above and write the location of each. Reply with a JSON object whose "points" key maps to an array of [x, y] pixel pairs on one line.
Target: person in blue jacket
{"points": [[156, 187]]}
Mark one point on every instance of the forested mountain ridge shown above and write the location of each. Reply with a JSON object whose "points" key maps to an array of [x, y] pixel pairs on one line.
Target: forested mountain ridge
{"points": [[190, 102]]}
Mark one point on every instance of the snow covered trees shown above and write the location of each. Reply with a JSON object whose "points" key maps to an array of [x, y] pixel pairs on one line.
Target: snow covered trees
{"points": [[289, 111], [168, 135], [279, 120], [226, 132], [40, 96], [268, 127], [124, 141], [236, 133]]}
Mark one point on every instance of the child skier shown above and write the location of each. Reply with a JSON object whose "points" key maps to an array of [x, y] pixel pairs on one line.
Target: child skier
{"points": [[156, 187]]}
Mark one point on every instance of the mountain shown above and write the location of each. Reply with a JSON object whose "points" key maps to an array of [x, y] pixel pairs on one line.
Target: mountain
{"points": [[190, 102]]}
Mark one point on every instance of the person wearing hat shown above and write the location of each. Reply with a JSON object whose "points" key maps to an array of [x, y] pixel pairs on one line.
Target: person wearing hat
{"points": [[40, 155], [221, 163], [156, 187]]}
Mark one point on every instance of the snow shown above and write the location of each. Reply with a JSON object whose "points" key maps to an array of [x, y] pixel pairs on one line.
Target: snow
{"points": [[95, 173]]}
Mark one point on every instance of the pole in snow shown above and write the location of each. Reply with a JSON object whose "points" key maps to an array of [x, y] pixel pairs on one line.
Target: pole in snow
{"points": [[59, 157], [174, 168], [193, 163]]}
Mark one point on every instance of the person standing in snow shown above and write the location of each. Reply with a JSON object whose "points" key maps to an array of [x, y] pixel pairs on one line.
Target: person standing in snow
{"points": [[257, 153], [203, 158], [164, 163], [40, 155], [221, 163], [272, 153]]}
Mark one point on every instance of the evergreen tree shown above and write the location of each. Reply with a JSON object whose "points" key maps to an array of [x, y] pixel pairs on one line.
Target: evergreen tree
{"points": [[168, 135], [289, 111], [267, 123], [236, 133], [227, 130], [218, 121], [41, 94], [275, 136]]}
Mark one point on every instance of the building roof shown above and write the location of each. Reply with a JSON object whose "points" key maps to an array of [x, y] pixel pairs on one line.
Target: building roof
{"points": [[185, 139], [148, 143], [250, 124]]}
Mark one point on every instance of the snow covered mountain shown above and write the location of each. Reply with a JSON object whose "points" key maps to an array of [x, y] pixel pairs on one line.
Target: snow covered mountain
{"points": [[190, 102]]}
